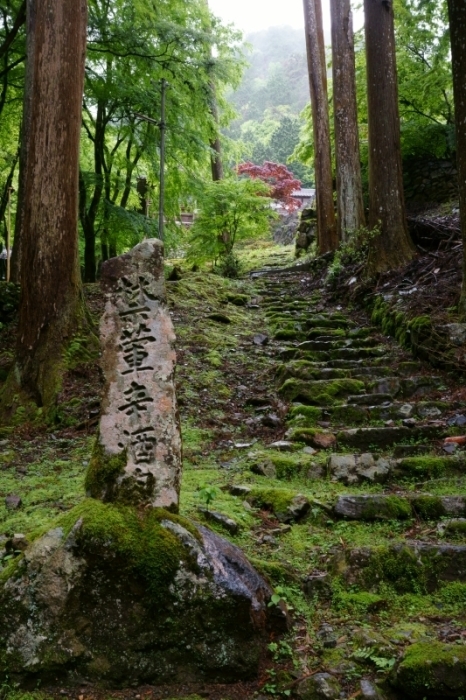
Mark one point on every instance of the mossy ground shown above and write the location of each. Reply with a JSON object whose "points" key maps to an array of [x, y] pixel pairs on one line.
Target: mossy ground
{"points": [[227, 386]]}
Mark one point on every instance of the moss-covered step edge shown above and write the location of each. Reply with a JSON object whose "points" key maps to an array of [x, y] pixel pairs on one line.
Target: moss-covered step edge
{"points": [[394, 507]]}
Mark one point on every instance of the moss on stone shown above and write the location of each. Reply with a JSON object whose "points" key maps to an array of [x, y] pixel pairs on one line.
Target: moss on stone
{"points": [[428, 507], [321, 393], [432, 669], [425, 466], [103, 470], [135, 537], [356, 602], [309, 414], [278, 500], [399, 567], [389, 508]]}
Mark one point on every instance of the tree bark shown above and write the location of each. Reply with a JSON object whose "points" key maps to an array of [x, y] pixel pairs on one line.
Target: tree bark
{"points": [[457, 17], [50, 305], [326, 222], [393, 248], [349, 186]]}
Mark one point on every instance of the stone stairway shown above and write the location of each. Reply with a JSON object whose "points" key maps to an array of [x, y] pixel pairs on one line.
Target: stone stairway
{"points": [[387, 427]]}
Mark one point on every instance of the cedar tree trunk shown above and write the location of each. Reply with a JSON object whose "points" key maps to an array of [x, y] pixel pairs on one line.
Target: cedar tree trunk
{"points": [[50, 306], [349, 185], [457, 15], [393, 248], [326, 222]]}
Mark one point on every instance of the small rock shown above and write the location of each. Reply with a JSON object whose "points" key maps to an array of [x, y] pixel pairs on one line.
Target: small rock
{"points": [[309, 450], [265, 469], [429, 411], [247, 506], [230, 525], [260, 339], [318, 585], [406, 410], [282, 445], [298, 508], [409, 422], [369, 691], [458, 420], [321, 686], [13, 502], [450, 448], [268, 539], [456, 333], [242, 445], [456, 440], [327, 636], [237, 490], [324, 440], [19, 542], [271, 420]]}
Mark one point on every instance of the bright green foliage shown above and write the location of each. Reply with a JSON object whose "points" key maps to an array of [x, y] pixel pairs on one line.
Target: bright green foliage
{"points": [[230, 211]]}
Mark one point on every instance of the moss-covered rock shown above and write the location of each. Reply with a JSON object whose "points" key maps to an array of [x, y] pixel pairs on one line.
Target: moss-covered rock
{"points": [[432, 670], [427, 466], [124, 596], [320, 393]]}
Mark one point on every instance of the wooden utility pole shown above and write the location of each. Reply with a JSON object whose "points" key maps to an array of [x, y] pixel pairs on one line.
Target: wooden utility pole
{"points": [[393, 248], [326, 222], [349, 186], [457, 16]]}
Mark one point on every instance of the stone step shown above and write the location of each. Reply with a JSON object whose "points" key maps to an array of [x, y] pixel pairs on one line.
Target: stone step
{"points": [[353, 414], [396, 507], [375, 468], [364, 438], [368, 393], [408, 566]]}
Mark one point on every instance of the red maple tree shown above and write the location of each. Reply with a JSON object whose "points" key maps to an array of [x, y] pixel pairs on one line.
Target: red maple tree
{"points": [[282, 182]]}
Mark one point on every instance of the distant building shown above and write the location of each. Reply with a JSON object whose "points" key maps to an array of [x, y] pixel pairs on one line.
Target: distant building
{"points": [[306, 196]]}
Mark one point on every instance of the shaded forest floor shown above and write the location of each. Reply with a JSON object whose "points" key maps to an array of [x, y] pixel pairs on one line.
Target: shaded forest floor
{"points": [[263, 416]]}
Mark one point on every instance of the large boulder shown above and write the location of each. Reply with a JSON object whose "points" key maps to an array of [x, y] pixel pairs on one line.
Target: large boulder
{"points": [[125, 596]]}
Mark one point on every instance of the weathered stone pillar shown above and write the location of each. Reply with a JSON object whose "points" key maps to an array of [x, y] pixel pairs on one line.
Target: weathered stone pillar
{"points": [[137, 457]]}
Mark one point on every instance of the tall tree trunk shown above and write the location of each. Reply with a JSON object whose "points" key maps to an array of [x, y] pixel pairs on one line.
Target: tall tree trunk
{"points": [[349, 185], [50, 306], [393, 248], [216, 162], [457, 16], [326, 222]]}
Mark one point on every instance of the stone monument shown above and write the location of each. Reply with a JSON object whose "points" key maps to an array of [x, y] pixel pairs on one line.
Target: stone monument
{"points": [[138, 454], [122, 590]]}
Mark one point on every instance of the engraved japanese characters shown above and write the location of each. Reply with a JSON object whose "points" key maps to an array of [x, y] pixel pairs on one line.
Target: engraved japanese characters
{"points": [[138, 455]]}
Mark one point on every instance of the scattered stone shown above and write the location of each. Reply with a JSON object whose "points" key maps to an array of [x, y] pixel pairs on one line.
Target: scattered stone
{"points": [[298, 508], [327, 636], [324, 440], [409, 422], [282, 445], [271, 420], [455, 525], [352, 469], [457, 440], [242, 445], [456, 333], [406, 410], [266, 468], [369, 691], [13, 502], [450, 448], [18, 543], [458, 421], [309, 450], [237, 490], [373, 507], [321, 686], [220, 519], [260, 339], [318, 584], [137, 455]]}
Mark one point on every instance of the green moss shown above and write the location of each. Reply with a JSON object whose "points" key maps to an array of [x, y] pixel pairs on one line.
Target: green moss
{"points": [[420, 323], [398, 567], [428, 507], [454, 593], [321, 393], [288, 334], [277, 500], [103, 470], [237, 299], [135, 537], [309, 414], [431, 669], [390, 508], [425, 466], [305, 435], [356, 602]]}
